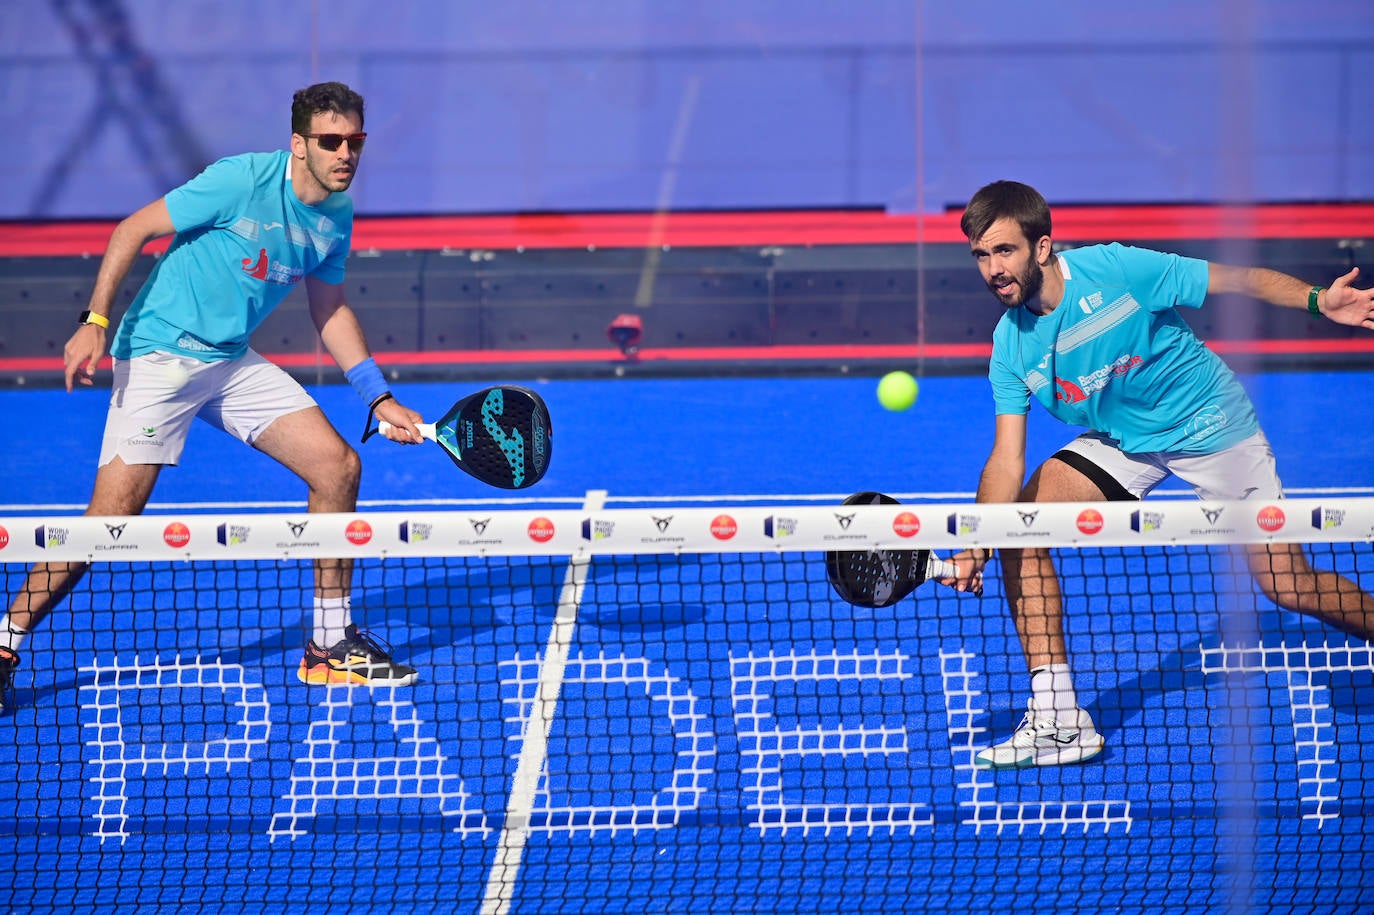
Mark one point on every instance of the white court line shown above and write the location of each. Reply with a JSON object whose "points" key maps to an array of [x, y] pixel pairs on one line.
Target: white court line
{"points": [[40, 508], [534, 743]]}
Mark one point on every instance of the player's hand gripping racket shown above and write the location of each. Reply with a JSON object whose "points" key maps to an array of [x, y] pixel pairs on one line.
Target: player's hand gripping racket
{"points": [[502, 436], [880, 578]]}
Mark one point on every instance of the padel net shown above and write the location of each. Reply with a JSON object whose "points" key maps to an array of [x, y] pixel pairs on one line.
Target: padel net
{"points": [[670, 709]]}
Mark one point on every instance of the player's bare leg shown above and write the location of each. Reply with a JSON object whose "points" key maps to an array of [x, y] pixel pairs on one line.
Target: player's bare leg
{"points": [[307, 444], [120, 489], [1032, 584], [1055, 730], [1283, 573]]}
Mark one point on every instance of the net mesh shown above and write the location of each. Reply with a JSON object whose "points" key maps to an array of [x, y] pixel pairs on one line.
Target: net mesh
{"points": [[669, 710]]}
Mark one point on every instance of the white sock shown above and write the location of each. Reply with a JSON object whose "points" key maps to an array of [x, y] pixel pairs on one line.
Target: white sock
{"points": [[332, 617], [11, 637], [1052, 686]]}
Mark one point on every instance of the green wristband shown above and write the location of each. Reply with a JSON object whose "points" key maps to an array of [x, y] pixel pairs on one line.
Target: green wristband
{"points": [[1312, 301]]}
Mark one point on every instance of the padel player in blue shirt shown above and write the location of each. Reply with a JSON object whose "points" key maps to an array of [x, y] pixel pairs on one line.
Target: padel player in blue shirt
{"points": [[1093, 334], [248, 230]]}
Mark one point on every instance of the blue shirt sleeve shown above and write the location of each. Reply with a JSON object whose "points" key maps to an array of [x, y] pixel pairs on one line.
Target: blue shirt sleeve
{"points": [[215, 197], [1165, 280], [1009, 391]]}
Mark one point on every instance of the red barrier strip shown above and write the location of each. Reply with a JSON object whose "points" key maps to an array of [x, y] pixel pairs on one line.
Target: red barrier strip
{"points": [[736, 229], [834, 353]]}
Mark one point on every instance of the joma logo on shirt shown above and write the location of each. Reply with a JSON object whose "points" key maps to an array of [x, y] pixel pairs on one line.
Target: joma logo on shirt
{"points": [[1088, 385], [265, 269]]}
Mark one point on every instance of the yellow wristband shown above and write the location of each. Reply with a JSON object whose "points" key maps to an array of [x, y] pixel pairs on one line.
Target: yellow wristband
{"points": [[90, 317]]}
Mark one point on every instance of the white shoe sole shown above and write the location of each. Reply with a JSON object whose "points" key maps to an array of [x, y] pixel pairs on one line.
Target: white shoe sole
{"points": [[1046, 757]]}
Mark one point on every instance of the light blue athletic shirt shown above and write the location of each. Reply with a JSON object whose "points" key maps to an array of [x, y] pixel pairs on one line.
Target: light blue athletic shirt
{"points": [[243, 241], [1115, 356]]}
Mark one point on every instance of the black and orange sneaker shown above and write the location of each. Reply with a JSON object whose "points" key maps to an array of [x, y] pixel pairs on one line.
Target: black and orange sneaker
{"points": [[9, 663], [356, 659]]}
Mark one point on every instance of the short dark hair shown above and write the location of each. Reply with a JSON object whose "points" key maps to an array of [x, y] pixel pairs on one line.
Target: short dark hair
{"points": [[322, 97], [1013, 199]]}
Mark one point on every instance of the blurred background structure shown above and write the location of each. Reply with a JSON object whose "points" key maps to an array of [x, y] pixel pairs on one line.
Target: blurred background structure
{"points": [[768, 184], [637, 105]]}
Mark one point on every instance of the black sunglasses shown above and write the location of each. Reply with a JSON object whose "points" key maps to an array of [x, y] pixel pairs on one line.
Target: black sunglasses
{"points": [[332, 141]]}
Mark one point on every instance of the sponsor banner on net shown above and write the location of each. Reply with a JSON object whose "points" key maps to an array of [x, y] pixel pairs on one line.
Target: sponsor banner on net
{"points": [[944, 526]]}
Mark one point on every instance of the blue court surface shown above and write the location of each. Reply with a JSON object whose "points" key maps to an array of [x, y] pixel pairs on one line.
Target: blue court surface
{"points": [[728, 736]]}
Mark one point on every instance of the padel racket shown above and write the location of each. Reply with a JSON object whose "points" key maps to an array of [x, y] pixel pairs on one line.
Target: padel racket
{"points": [[501, 435], [880, 578]]}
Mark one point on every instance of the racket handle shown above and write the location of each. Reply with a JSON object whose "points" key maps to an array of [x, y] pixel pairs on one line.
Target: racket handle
{"points": [[426, 429], [938, 568]]}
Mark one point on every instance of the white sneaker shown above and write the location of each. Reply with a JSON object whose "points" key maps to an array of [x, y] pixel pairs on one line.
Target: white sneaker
{"points": [[1042, 740]]}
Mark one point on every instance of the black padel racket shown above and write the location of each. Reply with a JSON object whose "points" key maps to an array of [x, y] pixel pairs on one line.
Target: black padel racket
{"points": [[880, 578], [501, 435]]}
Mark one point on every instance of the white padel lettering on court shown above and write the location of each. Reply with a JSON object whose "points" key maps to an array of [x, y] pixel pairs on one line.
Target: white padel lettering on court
{"points": [[967, 735], [418, 771], [766, 748], [1314, 729], [121, 749]]}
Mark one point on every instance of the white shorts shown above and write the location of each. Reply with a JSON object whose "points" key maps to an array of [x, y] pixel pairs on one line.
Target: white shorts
{"points": [[1245, 469], [156, 396]]}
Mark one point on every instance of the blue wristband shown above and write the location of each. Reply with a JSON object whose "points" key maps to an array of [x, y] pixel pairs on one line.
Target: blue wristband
{"points": [[367, 380]]}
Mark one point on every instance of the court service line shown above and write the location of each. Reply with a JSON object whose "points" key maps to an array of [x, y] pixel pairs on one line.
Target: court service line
{"points": [[20, 508], [534, 744]]}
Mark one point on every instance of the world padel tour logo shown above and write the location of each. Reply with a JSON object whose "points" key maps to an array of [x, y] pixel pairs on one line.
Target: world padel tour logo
{"points": [[723, 527], [594, 529], [232, 534], [1143, 522], [1090, 521], [540, 530], [776, 527], [906, 524], [358, 532], [1328, 519], [415, 531], [47, 537], [962, 524], [176, 535], [1271, 518]]}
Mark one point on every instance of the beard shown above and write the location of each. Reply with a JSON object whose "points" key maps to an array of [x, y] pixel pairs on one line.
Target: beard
{"points": [[1028, 284], [327, 178]]}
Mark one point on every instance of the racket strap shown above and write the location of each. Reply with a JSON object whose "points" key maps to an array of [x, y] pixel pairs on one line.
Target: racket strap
{"points": [[940, 568], [370, 430]]}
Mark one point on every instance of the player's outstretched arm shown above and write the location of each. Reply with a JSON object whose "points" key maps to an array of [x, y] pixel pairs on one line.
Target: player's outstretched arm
{"points": [[1342, 302], [87, 345]]}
